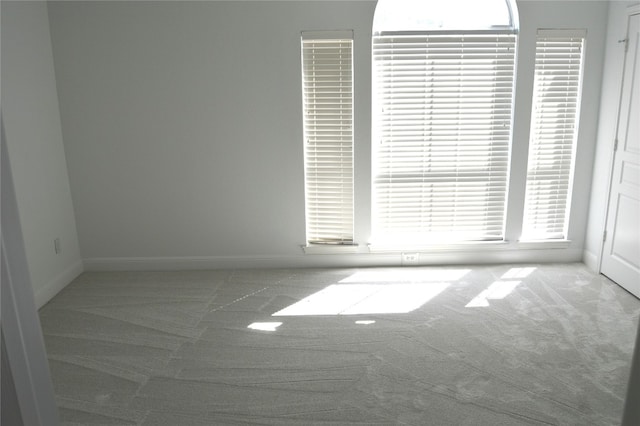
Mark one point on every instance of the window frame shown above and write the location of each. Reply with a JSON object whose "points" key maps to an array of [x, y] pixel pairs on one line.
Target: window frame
{"points": [[379, 238], [328, 136], [548, 193]]}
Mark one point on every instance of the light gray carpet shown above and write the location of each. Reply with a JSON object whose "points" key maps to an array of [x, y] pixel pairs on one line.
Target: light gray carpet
{"points": [[481, 345]]}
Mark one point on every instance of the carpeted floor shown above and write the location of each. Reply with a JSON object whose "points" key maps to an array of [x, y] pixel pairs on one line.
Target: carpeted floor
{"points": [[477, 345]]}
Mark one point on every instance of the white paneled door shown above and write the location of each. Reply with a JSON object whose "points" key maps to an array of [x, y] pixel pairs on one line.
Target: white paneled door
{"points": [[621, 253]]}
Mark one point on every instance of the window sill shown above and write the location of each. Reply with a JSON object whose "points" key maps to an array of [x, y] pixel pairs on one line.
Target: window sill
{"points": [[466, 246], [331, 248], [543, 244], [474, 246], [494, 246]]}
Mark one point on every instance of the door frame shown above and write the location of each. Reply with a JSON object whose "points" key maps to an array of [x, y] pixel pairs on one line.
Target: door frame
{"points": [[22, 335], [631, 10]]}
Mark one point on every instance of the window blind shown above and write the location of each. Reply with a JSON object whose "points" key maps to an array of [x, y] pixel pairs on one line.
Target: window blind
{"points": [[442, 131], [327, 75], [554, 121]]}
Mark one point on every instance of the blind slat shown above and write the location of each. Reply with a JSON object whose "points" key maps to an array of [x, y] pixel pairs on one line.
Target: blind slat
{"points": [[442, 117], [554, 121], [327, 86]]}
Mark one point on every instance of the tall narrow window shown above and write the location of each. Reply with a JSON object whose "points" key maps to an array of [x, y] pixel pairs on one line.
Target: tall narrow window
{"points": [[327, 77], [554, 125], [442, 113]]}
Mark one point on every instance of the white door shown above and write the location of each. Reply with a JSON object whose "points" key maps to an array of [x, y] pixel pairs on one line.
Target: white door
{"points": [[621, 252]]}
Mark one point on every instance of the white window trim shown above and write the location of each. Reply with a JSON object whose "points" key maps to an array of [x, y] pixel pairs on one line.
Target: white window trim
{"points": [[319, 249], [540, 223], [379, 134], [327, 86], [480, 246]]}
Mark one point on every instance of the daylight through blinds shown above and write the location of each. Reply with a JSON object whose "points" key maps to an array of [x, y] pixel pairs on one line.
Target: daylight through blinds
{"points": [[554, 120], [442, 131], [327, 69]]}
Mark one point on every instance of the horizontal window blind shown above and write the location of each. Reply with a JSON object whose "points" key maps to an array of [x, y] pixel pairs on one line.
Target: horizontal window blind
{"points": [[327, 74], [554, 121], [442, 131]]}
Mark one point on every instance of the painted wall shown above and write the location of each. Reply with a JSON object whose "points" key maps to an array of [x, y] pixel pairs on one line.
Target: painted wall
{"points": [[35, 148], [610, 99], [182, 126]]}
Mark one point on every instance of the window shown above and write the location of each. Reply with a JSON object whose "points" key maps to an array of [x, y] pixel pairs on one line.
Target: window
{"points": [[554, 121], [442, 114], [327, 87]]}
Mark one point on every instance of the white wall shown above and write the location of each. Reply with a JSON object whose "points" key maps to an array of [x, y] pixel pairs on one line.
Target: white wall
{"points": [[610, 99], [182, 125], [35, 148], [183, 122]]}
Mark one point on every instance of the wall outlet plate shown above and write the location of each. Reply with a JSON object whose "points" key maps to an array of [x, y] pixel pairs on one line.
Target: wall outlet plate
{"points": [[56, 245], [410, 258]]}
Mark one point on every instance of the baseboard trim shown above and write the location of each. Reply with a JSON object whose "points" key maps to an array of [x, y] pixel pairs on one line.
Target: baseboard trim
{"points": [[53, 287], [591, 260], [236, 262], [329, 260]]}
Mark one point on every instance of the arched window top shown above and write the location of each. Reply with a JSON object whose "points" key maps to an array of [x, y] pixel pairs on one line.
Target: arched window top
{"points": [[445, 15]]}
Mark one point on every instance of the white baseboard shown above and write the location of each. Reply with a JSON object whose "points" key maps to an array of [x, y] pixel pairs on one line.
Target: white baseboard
{"points": [[236, 262], [591, 260], [330, 260], [53, 287]]}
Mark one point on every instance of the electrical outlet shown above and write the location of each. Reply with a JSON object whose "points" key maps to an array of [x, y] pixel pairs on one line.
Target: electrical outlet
{"points": [[56, 245], [410, 258]]}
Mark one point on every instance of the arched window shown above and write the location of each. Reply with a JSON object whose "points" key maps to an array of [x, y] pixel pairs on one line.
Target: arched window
{"points": [[444, 15], [443, 78]]}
